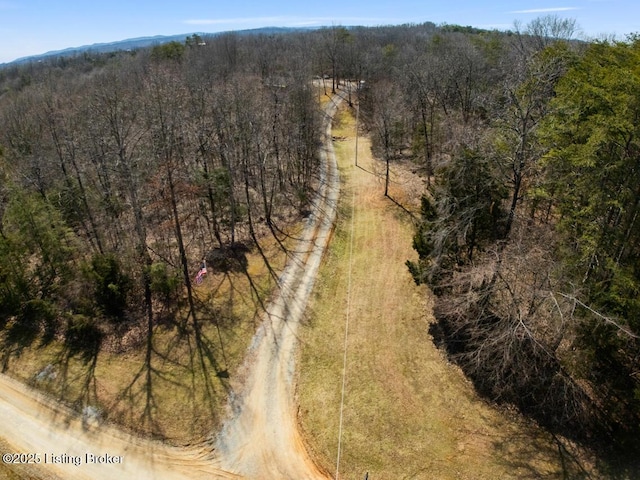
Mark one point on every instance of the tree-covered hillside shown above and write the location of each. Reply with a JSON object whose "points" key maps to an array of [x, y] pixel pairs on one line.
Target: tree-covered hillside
{"points": [[121, 172]]}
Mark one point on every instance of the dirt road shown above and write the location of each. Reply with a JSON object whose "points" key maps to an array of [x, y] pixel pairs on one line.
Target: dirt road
{"points": [[261, 438], [65, 448]]}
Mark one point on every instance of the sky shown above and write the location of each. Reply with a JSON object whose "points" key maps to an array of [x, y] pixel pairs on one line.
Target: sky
{"points": [[30, 27]]}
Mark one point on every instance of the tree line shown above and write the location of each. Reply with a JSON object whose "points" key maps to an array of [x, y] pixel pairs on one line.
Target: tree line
{"points": [[122, 171]]}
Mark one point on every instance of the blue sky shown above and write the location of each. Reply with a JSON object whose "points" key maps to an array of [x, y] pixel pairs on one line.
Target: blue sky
{"points": [[29, 27]]}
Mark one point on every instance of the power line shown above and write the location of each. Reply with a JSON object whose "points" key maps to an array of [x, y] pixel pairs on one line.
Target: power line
{"points": [[346, 329]]}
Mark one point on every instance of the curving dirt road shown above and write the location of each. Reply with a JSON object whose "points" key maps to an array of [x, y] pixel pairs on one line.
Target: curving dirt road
{"points": [[33, 424], [261, 438]]}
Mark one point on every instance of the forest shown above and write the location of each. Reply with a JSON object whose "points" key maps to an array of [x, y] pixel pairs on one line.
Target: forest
{"points": [[120, 172]]}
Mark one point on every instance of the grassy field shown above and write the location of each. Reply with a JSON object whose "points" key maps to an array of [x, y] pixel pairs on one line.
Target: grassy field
{"points": [[408, 413]]}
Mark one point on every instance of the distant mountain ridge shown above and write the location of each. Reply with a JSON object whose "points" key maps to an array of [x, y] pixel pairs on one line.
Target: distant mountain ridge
{"points": [[143, 42]]}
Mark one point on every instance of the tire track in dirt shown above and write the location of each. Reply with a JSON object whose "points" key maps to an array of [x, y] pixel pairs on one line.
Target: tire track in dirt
{"points": [[261, 438]]}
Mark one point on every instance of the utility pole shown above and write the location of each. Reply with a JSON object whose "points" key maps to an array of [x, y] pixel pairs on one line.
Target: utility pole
{"points": [[357, 115]]}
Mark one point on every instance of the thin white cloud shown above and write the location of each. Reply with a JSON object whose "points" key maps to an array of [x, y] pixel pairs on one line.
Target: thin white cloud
{"points": [[225, 21], [546, 10]]}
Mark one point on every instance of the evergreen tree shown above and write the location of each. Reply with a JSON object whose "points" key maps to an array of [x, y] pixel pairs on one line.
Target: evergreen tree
{"points": [[593, 175]]}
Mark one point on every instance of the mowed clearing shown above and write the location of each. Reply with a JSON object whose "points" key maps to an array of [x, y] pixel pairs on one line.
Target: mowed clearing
{"points": [[408, 413]]}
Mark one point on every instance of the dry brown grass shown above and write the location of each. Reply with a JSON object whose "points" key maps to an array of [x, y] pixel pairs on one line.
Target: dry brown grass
{"points": [[190, 381], [408, 413]]}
